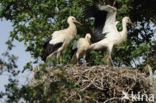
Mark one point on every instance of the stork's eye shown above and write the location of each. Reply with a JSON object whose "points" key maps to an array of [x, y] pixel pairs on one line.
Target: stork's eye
{"points": [[73, 19]]}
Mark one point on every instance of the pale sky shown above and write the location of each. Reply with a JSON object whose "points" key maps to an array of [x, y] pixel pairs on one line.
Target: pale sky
{"points": [[19, 50]]}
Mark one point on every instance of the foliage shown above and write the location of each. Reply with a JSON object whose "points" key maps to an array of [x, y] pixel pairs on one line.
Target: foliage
{"points": [[35, 20], [8, 64]]}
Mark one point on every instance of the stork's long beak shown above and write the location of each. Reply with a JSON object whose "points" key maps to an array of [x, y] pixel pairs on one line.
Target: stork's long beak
{"points": [[77, 22], [130, 22]]}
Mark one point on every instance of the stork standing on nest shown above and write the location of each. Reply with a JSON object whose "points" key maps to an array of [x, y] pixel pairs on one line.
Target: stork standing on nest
{"points": [[80, 48], [59, 40], [106, 34]]}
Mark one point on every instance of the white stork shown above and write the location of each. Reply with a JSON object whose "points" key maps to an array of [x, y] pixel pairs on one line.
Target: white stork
{"points": [[59, 40], [106, 32], [80, 48]]}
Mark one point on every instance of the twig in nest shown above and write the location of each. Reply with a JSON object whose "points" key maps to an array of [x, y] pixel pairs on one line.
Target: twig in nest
{"points": [[92, 81], [80, 97]]}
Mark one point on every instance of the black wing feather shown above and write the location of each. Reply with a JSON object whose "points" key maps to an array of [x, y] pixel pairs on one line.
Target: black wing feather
{"points": [[46, 43], [100, 18], [74, 49], [49, 48], [73, 53], [90, 11]]}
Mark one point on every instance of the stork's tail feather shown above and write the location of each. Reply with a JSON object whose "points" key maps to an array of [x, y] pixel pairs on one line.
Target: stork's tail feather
{"points": [[49, 48]]}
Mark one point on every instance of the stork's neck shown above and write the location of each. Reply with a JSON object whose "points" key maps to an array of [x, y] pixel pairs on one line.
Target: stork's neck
{"points": [[72, 28], [88, 39], [123, 33]]}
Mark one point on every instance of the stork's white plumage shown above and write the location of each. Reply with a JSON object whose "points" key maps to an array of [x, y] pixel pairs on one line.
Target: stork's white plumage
{"points": [[112, 38], [83, 44], [59, 40], [109, 34]]}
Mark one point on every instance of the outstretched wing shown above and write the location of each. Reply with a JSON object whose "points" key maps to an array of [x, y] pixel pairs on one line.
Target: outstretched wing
{"points": [[100, 18], [105, 18], [110, 23]]}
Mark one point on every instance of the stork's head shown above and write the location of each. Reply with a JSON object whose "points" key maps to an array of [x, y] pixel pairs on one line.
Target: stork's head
{"points": [[127, 20], [88, 37], [72, 19]]}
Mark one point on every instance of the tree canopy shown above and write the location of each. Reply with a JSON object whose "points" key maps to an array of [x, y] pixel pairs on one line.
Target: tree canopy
{"points": [[35, 20]]}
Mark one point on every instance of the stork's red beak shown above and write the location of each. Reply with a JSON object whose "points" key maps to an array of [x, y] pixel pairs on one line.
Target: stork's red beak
{"points": [[77, 22]]}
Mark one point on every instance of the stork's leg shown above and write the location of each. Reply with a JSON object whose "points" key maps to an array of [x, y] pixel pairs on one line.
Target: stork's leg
{"points": [[61, 58], [85, 62], [51, 55], [109, 59], [77, 58], [84, 57], [114, 2], [57, 57]]}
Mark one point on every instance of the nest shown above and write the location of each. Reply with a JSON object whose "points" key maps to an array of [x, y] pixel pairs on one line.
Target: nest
{"points": [[109, 84]]}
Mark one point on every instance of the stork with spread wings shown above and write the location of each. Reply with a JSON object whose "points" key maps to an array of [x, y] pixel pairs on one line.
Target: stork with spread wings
{"points": [[106, 34]]}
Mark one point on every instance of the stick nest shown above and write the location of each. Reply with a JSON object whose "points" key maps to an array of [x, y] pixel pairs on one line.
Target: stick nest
{"points": [[98, 84]]}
